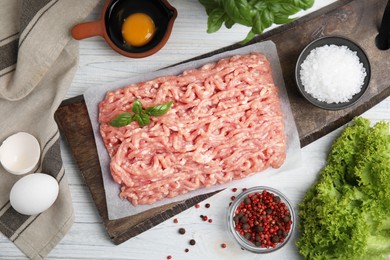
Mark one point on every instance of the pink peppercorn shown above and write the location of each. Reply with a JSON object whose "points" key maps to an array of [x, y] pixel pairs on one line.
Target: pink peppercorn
{"points": [[263, 219]]}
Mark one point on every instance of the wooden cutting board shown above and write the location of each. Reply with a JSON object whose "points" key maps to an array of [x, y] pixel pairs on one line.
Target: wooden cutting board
{"points": [[358, 20]]}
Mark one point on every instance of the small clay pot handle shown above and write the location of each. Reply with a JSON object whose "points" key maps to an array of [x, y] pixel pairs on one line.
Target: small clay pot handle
{"points": [[88, 29]]}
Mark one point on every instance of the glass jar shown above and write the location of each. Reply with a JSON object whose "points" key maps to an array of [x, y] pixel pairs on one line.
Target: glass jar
{"points": [[268, 221]]}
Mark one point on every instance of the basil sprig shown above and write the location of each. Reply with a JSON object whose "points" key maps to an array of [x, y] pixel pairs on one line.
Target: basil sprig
{"points": [[140, 115], [257, 14]]}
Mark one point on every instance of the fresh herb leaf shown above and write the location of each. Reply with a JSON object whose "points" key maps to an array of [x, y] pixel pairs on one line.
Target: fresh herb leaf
{"points": [[158, 110], [257, 14], [259, 5], [267, 17], [249, 37], [281, 19], [258, 26], [122, 120], [239, 10], [142, 119], [229, 22], [215, 20], [211, 4], [140, 115], [137, 107]]}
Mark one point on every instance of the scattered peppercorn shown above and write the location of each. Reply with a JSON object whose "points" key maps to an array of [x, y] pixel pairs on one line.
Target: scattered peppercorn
{"points": [[233, 197], [192, 242], [234, 189], [210, 220], [204, 218], [182, 231], [175, 221], [207, 205], [197, 205], [169, 257], [223, 245], [186, 250]]}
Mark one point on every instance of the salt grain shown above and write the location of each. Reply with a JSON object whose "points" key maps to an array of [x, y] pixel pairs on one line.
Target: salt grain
{"points": [[332, 74]]}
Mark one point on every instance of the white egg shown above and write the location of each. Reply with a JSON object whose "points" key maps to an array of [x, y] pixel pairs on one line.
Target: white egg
{"points": [[20, 153], [34, 193]]}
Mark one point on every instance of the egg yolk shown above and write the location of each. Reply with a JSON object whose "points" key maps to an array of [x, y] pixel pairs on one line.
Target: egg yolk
{"points": [[138, 29]]}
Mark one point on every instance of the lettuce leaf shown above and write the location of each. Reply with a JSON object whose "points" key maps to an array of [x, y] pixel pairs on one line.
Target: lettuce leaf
{"points": [[346, 213]]}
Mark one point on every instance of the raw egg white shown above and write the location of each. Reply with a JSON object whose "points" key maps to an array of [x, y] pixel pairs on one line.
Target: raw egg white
{"points": [[138, 29], [34, 193]]}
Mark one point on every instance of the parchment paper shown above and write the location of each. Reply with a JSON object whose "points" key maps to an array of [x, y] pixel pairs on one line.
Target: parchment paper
{"points": [[119, 208]]}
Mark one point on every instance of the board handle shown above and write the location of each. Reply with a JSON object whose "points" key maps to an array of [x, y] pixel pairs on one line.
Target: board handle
{"points": [[382, 40]]}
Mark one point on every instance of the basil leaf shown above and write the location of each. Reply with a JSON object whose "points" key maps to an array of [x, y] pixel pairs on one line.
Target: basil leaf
{"points": [[229, 23], [239, 10], [210, 4], [308, 4], [249, 37], [122, 120], [258, 26], [137, 107], [142, 119], [215, 20], [158, 110], [257, 14], [282, 19], [260, 5], [288, 9], [303, 4], [267, 18]]}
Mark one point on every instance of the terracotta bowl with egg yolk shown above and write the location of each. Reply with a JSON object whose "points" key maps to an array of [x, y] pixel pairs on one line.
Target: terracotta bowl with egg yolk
{"points": [[133, 28]]}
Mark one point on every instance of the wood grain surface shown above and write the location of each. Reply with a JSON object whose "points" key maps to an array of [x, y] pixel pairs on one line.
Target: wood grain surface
{"points": [[351, 19]]}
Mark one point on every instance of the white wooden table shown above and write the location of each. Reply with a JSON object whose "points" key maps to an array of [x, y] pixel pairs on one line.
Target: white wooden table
{"points": [[88, 239]]}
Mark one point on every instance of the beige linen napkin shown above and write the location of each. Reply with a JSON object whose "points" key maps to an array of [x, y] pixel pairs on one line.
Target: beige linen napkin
{"points": [[38, 60]]}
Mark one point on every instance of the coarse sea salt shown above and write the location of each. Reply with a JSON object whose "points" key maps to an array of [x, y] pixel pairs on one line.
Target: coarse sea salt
{"points": [[332, 74]]}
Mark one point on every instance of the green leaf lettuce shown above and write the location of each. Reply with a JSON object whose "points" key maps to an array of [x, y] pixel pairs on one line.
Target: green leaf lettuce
{"points": [[346, 213]]}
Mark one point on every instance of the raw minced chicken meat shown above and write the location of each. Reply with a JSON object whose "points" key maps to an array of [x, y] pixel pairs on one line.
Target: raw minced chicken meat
{"points": [[225, 123]]}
